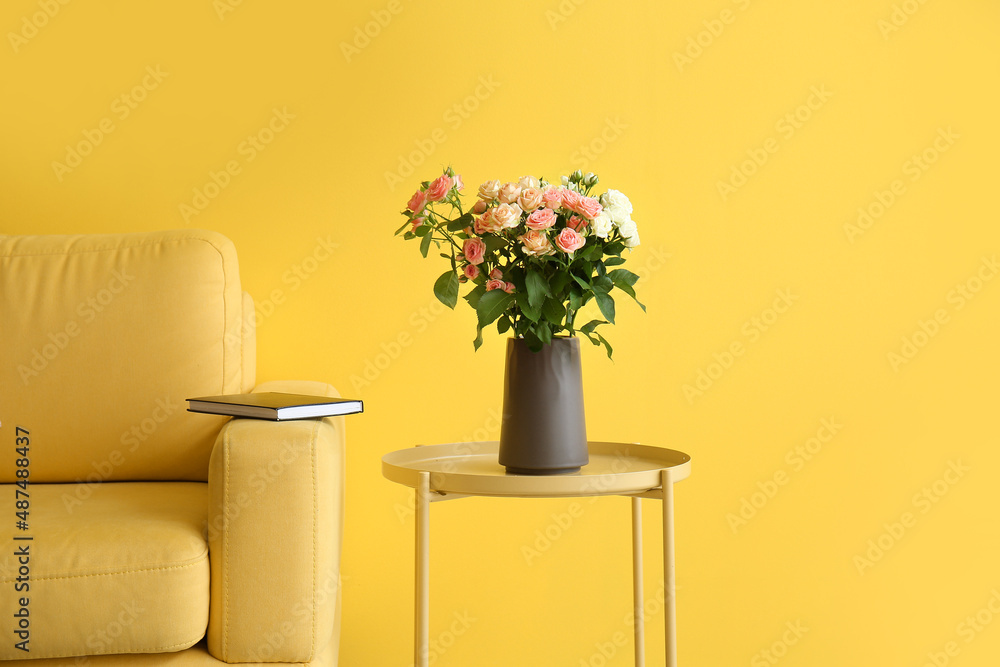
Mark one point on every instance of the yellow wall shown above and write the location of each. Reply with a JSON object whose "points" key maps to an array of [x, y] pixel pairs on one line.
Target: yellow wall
{"points": [[623, 89]]}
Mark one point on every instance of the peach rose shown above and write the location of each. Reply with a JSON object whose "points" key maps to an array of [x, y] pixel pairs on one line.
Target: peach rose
{"points": [[459, 183], [589, 207], [487, 223], [489, 190], [569, 241], [496, 274], [474, 250], [439, 188], [577, 224], [509, 193], [530, 199], [570, 199], [536, 243], [507, 215], [417, 201], [509, 288], [543, 218], [471, 271], [552, 197], [495, 284], [479, 207], [417, 222]]}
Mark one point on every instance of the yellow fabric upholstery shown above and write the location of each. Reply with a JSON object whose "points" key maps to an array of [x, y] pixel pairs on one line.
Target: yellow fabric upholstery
{"points": [[159, 536], [103, 337], [275, 583], [113, 568]]}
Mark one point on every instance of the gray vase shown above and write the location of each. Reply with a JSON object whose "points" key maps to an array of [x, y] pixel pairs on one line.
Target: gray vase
{"points": [[543, 431]]}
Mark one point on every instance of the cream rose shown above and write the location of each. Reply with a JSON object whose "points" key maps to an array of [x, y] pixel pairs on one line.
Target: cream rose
{"points": [[528, 182], [536, 243], [489, 190], [507, 215], [509, 193], [530, 199]]}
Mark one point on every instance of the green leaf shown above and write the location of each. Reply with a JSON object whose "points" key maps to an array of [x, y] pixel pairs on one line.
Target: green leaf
{"points": [[460, 222], [615, 248], [591, 325], [477, 343], [533, 341], [623, 276], [492, 305], [538, 288], [494, 243], [607, 306], [473, 296], [446, 289], [606, 343], [425, 244], [559, 282], [503, 325], [581, 282], [614, 261], [529, 311], [603, 284], [423, 230], [405, 225], [593, 252], [554, 311], [544, 333]]}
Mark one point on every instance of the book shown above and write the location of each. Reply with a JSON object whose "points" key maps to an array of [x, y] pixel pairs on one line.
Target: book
{"points": [[275, 406]]}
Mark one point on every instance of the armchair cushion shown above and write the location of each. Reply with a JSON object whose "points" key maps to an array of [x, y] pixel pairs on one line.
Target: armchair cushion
{"points": [[112, 568]]}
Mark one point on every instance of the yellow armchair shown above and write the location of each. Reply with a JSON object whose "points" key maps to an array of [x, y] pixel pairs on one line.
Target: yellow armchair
{"points": [[134, 532]]}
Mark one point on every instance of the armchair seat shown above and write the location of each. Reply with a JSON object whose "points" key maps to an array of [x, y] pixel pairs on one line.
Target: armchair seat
{"points": [[121, 567]]}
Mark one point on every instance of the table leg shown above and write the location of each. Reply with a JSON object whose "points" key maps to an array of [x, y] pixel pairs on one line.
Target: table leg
{"points": [[637, 606], [669, 604], [421, 640]]}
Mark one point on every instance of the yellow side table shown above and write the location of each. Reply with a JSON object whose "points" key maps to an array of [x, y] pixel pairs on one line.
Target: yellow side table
{"points": [[462, 469]]}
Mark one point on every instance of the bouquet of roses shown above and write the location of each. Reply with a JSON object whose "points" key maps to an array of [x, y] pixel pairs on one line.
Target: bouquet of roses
{"points": [[535, 252]]}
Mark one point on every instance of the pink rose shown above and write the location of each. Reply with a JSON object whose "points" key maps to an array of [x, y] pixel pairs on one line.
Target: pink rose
{"points": [[552, 198], [489, 190], [509, 193], [569, 241], [536, 243], [496, 274], [487, 223], [507, 215], [417, 201], [459, 183], [417, 222], [509, 288], [589, 207], [577, 224], [439, 188], [530, 199], [570, 199], [495, 284], [471, 271], [474, 250], [479, 207], [543, 218]]}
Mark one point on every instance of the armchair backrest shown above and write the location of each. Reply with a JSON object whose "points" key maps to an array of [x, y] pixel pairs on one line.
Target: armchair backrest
{"points": [[103, 337]]}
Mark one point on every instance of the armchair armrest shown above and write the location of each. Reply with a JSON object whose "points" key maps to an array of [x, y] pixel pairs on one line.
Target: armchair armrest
{"points": [[275, 525]]}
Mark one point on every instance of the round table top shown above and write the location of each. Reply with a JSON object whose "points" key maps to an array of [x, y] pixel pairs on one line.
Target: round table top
{"points": [[471, 468]]}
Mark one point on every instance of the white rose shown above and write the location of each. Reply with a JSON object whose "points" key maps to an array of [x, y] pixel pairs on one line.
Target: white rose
{"points": [[603, 224], [618, 206], [629, 232]]}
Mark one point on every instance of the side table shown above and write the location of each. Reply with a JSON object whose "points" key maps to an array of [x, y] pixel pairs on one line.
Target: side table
{"points": [[462, 469]]}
